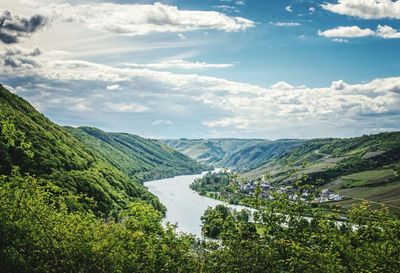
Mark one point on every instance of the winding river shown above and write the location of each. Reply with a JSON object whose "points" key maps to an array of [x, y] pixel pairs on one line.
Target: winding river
{"points": [[184, 206]]}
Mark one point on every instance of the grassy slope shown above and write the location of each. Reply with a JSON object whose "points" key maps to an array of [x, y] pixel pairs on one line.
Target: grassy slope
{"points": [[140, 158]]}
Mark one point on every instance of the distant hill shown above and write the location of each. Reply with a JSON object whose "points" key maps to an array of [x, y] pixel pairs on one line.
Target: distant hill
{"points": [[140, 158], [366, 167], [238, 154], [87, 160]]}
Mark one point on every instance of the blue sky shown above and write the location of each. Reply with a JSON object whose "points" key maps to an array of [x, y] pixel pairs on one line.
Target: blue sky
{"points": [[269, 69]]}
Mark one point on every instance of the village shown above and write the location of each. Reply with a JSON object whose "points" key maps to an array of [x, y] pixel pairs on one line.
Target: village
{"points": [[267, 190]]}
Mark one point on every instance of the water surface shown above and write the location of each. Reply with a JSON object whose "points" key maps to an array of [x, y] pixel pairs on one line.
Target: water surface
{"points": [[184, 206]]}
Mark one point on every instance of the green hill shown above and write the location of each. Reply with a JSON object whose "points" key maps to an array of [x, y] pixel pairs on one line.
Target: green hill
{"points": [[238, 154], [140, 158], [86, 163]]}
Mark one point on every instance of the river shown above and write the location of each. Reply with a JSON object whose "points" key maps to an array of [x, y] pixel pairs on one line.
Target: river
{"points": [[184, 206]]}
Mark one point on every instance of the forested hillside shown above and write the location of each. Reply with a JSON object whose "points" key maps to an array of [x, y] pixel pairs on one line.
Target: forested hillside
{"points": [[81, 166], [140, 158]]}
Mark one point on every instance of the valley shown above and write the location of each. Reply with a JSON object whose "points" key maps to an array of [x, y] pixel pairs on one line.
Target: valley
{"points": [[116, 202]]}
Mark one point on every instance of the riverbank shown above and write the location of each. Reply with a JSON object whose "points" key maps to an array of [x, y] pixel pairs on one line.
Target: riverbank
{"points": [[184, 206]]}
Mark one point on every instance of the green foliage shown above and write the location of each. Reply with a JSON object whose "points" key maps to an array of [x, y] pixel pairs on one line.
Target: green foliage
{"points": [[42, 232], [290, 236], [220, 221], [41, 148], [142, 159], [212, 182]]}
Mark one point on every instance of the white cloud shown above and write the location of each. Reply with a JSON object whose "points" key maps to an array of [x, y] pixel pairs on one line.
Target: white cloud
{"points": [[385, 31], [113, 87], [338, 85], [240, 3], [179, 64], [142, 19], [211, 102], [347, 32], [311, 10], [289, 9], [282, 86], [181, 36], [285, 24], [366, 9]]}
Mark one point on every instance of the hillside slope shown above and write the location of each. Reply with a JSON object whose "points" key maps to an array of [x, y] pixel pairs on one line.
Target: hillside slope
{"points": [[77, 166], [366, 167], [238, 154], [140, 158]]}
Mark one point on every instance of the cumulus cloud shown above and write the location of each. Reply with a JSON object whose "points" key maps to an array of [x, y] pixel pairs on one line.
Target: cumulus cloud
{"points": [[211, 102], [347, 32], [142, 19], [387, 32], [338, 85], [384, 31], [366, 9], [282, 86], [179, 64], [285, 24], [14, 27], [289, 9], [20, 58]]}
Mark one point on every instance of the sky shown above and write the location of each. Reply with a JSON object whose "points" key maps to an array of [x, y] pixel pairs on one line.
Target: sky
{"points": [[211, 68]]}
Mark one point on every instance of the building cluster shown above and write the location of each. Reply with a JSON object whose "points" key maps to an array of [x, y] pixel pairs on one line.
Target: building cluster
{"points": [[267, 189], [328, 196]]}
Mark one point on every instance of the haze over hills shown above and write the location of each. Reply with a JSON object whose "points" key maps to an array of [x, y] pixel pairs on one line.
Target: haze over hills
{"points": [[107, 167]]}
